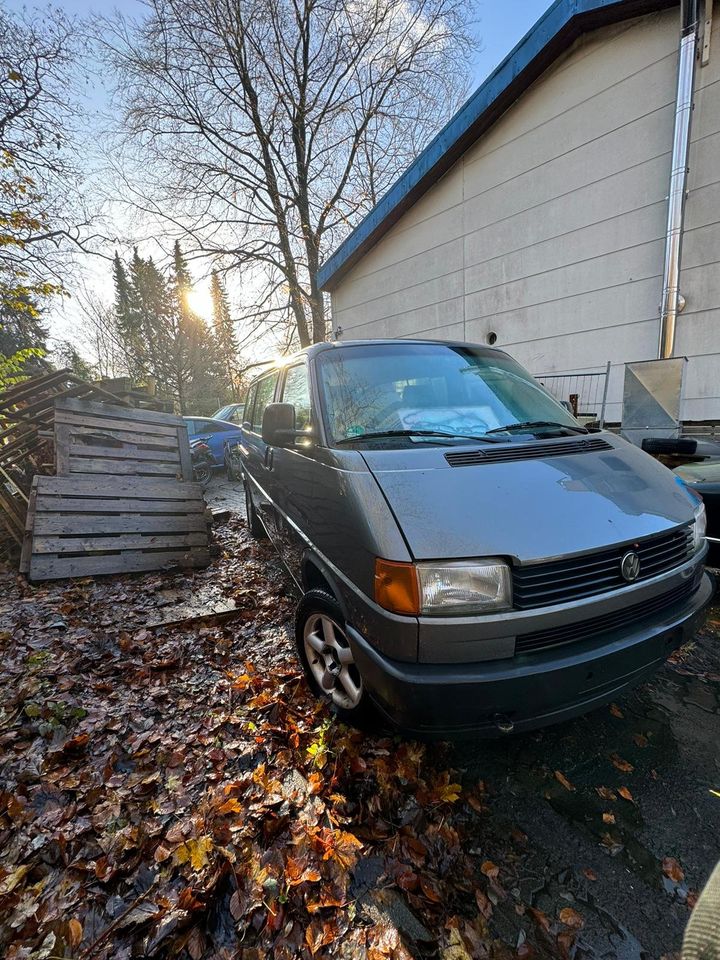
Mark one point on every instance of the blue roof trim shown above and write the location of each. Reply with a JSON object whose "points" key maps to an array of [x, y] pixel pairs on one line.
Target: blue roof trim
{"points": [[558, 27]]}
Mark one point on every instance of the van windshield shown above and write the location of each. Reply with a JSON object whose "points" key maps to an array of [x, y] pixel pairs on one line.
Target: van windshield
{"points": [[450, 389]]}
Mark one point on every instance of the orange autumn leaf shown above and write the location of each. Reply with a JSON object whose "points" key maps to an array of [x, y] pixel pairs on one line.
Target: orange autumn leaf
{"points": [[429, 890], [231, 806], [624, 765], [625, 794], [75, 933], [297, 872], [672, 869], [342, 847], [589, 874], [616, 711], [605, 793], [561, 778], [640, 740], [608, 818], [571, 918], [490, 869]]}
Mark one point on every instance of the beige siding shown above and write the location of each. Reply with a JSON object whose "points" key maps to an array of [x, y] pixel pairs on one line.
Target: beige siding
{"points": [[549, 231]]}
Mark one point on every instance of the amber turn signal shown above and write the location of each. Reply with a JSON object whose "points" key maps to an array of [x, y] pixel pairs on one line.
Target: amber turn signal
{"points": [[396, 587]]}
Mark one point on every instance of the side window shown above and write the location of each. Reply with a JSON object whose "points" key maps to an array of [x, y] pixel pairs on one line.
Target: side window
{"points": [[249, 402], [265, 393], [297, 392], [191, 427], [212, 426], [238, 415]]}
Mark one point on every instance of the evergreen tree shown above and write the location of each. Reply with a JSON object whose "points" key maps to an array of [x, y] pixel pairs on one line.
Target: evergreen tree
{"points": [[162, 337], [225, 335]]}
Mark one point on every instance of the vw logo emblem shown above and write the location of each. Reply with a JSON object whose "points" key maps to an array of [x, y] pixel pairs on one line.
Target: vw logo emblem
{"points": [[630, 566]]}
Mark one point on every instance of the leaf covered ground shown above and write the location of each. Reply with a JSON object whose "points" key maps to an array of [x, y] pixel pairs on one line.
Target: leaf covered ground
{"points": [[176, 791]]}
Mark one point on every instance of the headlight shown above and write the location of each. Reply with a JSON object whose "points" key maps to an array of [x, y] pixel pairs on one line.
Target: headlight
{"points": [[699, 527], [464, 587]]}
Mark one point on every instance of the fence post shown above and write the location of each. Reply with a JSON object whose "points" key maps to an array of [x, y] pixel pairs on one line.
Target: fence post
{"points": [[605, 393]]}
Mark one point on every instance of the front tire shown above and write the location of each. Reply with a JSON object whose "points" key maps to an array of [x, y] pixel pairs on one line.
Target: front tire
{"points": [[327, 659]]}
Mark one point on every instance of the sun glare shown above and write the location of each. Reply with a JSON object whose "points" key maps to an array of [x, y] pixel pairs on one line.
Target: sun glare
{"points": [[200, 302]]}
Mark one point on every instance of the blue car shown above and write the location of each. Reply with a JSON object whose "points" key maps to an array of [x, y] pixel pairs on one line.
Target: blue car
{"points": [[216, 432]]}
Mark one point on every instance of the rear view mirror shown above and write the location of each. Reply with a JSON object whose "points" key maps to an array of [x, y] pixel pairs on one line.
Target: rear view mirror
{"points": [[278, 425]]}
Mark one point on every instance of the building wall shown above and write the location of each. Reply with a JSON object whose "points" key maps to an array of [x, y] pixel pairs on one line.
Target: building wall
{"points": [[549, 231]]}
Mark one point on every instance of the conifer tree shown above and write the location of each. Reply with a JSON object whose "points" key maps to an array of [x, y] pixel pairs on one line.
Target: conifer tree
{"points": [[225, 335]]}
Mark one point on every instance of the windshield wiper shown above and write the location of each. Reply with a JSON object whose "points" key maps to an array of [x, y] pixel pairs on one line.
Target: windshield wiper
{"points": [[418, 433], [530, 424]]}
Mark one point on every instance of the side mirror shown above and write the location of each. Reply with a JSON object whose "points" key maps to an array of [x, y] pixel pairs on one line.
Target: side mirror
{"points": [[278, 425]]}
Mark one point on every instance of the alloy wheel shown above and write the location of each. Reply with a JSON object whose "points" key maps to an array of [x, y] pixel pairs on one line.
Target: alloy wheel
{"points": [[331, 661]]}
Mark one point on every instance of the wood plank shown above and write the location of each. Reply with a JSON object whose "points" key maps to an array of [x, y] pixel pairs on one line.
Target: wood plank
{"points": [[64, 524], [183, 442], [123, 505], [148, 488], [56, 568], [26, 550], [145, 441], [81, 450], [128, 541], [62, 450], [109, 423], [134, 414], [129, 468]]}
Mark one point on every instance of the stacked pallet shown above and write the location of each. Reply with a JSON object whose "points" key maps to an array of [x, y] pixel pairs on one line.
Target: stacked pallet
{"points": [[101, 438], [122, 499], [99, 525]]}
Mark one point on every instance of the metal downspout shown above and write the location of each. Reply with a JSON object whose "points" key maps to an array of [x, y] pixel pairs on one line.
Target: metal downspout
{"points": [[678, 178]]}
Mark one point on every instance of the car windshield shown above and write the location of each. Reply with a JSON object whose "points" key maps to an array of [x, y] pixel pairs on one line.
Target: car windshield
{"points": [[232, 412], [458, 390]]}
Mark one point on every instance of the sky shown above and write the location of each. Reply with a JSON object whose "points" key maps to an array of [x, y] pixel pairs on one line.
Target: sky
{"points": [[500, 24]]}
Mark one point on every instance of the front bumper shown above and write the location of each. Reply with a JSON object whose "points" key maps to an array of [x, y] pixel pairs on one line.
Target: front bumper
{"points": [[526, 691]]}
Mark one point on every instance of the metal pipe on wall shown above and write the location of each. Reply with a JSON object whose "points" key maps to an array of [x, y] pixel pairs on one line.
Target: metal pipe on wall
{"points": [[678, 177]]}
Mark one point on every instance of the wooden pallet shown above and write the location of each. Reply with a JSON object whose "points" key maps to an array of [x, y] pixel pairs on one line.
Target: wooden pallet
{"points": [[85, 526], [102, 438]]}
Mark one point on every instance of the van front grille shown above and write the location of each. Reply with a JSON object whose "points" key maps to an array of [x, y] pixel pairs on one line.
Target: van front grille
{"points": [[561, 581], [572, 632], [525, 451]]}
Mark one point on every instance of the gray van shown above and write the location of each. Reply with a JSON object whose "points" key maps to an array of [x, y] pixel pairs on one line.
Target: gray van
{"points": [[469, 557]]}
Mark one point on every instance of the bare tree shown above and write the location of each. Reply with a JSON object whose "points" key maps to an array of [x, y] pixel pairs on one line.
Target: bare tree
{"points": [[263, 129], [42, 204]]}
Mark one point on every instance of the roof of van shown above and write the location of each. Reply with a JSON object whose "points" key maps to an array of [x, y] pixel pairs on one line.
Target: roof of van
{"points": [[326, 345], [560, 25]]}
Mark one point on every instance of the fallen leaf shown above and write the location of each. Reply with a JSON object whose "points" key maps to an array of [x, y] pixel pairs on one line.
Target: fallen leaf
{"points": [[195, 852], [605, 793], [540, 918], [429, 890], [621, 764], [490, 869], [589, 874], [484, 904], [561, 778], [11, 881], [640, 740], [625, 794], [672, 869], [75, 933], [571, 918], [616, 711], [608, 818]]}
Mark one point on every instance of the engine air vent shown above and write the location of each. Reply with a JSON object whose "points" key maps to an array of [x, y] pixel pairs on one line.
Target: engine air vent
{"points": [[526, 451]]}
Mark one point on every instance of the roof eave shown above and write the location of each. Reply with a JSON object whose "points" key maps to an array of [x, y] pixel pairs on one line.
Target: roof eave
{"points": [[554, 32]]}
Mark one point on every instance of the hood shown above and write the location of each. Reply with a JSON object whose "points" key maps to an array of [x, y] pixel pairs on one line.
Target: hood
{"points": [[528, 509]]}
